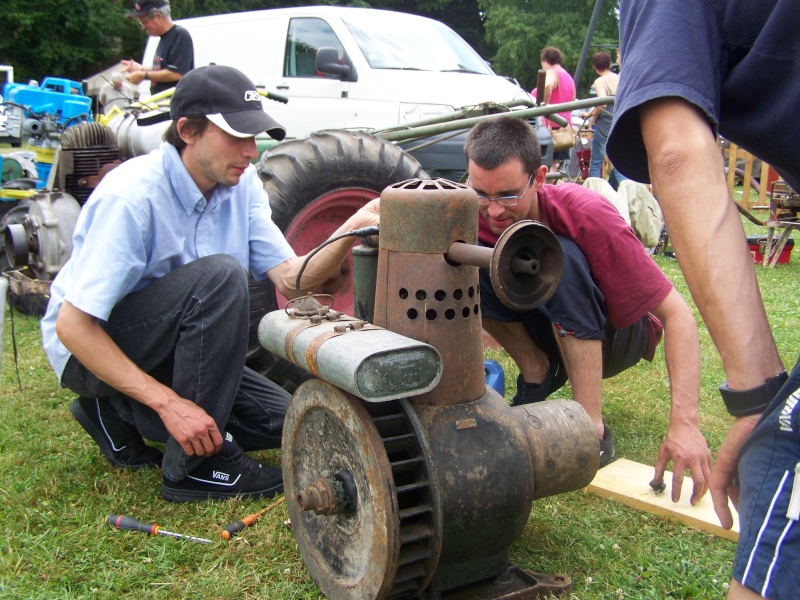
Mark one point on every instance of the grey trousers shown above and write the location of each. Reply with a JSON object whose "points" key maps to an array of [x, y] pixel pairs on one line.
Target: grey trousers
{"points": [[189, 331]]}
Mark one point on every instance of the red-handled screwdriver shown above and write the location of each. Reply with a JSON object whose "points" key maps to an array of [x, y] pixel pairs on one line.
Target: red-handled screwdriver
{"points": [[235, 527], [123, 522]]}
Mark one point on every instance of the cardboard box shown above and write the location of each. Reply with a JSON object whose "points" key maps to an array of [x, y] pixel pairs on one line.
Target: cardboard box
{"points": [[757, 246]]}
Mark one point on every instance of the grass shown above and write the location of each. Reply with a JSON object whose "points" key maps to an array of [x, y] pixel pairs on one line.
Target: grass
{"points": [[56, 490]]}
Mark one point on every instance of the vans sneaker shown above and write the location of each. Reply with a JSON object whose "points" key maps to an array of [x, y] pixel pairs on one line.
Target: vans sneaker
{"points": [[608, 453], [227, 474], [119, 440]]}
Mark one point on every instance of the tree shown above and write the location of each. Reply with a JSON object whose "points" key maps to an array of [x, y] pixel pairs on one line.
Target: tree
{"points": [[65, 38], [522, 28], [76, 38]]}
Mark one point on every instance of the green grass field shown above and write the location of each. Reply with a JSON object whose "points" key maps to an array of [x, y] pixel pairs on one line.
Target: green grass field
{"points": [[56, 490]]}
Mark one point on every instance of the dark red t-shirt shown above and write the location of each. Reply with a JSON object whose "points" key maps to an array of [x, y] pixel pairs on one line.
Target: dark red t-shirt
{"points": [[630, 281]]}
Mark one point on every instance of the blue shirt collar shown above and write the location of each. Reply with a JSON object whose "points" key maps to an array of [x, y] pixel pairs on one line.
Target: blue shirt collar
{"points": [[184, 187]]}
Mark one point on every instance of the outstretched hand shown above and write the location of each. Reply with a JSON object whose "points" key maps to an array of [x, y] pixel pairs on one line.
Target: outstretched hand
{"points": [[686, 447]]}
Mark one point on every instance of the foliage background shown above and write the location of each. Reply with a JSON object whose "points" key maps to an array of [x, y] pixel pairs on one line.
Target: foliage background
{"points": [[77, 38]]}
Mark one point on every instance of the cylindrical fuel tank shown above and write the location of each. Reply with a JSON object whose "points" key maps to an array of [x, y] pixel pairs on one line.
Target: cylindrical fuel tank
{"points": [[365, 268], [422, 296], [371, 362]]}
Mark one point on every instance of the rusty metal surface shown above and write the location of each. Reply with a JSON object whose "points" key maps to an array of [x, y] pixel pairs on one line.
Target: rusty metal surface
{"points": [[526, 265], [427, 215], [514, 584], [20, 284], [564, 449], [353, 555], [470, 254], [424, 298], [485, 479], [419, 294]]}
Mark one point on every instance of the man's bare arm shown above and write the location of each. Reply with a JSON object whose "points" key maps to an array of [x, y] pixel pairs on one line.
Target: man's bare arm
{"points": [[684, 444], [327, 260]]}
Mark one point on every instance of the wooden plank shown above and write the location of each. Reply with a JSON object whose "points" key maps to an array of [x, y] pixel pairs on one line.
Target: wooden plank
{"points": [[629, 482]]}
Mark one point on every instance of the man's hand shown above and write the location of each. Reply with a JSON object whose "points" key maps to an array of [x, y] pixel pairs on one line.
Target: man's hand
{"points": [[370, 213], [686, 447], [129, 66], [725, 476], [135, 77], [191, 426]]}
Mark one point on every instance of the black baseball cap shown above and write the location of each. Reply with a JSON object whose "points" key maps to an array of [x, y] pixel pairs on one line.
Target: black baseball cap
{"points": [[143, 7], [227, 98]]}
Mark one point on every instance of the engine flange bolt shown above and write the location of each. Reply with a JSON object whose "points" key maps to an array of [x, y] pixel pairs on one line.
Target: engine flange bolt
{"points": [[326, 496]]}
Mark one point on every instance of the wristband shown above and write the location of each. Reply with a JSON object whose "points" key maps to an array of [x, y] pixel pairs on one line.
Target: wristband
{"points": [[742, 403], [147, 75]]}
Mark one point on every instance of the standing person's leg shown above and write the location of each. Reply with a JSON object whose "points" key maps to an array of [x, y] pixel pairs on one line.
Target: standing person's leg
{"points": [[598, 153]]}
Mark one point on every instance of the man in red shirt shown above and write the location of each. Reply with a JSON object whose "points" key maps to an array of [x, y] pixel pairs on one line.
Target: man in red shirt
{"points": [[609, 310]]}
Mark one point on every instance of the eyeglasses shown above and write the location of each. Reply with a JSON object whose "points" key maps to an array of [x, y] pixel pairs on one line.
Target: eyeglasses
{"points": [[503, 200]]}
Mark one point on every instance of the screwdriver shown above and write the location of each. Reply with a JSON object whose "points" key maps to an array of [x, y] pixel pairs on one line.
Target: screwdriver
{"points": [[123, 522], [237, 526]]}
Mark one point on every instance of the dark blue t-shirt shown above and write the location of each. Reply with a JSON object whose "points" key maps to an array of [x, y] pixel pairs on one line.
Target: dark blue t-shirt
{"points": [[737, 60], [175, 52]]}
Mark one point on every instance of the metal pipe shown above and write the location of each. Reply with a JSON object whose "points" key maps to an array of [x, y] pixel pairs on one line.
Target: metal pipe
{"points": [[598, 6], [539, 111], [481, 256]]}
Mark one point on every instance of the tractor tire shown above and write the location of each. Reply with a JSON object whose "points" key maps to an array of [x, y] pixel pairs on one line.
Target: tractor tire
{"points": [[314, 185]]}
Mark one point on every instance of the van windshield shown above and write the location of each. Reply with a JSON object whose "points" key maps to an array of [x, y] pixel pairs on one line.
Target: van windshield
{"points": [[413, 43]]}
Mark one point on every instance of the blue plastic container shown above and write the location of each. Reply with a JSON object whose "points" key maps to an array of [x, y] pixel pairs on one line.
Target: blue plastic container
{"points": [[60, 98], [495, 376]]}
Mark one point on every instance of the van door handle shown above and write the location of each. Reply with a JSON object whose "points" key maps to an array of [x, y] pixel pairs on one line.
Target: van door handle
{"points": [[282, 87]]}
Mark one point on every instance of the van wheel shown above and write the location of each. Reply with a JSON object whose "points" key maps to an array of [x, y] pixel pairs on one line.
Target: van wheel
{"points": [[314, 185]]}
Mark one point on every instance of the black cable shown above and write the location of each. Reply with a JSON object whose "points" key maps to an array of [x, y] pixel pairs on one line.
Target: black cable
{"points": [[14, 338], [362, 233]]}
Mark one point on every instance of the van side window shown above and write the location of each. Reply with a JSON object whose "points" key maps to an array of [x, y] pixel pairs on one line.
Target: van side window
{"points": [[306, 35]]}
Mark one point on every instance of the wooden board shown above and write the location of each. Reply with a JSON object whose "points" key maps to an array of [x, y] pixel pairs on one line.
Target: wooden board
{"points": [[629, 482]]}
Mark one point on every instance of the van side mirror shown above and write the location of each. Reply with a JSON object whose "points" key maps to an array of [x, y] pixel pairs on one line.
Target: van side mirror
{"points": [[328, 62]]}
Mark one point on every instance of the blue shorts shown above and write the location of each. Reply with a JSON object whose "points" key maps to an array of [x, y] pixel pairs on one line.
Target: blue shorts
{"points": [[768, 554], [577, 307]]}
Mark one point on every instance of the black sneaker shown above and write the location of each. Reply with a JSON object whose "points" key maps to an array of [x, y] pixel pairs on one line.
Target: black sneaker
{"points": [[227, 474], [528, 393], [608, 453], [119, 441]]}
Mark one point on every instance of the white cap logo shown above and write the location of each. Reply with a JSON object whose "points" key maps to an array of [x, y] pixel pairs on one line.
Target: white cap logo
{"points": [[252, 96]]}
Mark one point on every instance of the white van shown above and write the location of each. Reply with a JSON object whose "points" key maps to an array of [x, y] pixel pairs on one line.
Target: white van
{"points": [[350, 68]]}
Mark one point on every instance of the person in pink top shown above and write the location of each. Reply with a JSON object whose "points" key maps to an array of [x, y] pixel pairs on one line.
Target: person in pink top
{"points": [[558, 87]]}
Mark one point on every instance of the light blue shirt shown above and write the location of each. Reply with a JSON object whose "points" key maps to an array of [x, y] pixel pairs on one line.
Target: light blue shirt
{"points": [[148, 217]]}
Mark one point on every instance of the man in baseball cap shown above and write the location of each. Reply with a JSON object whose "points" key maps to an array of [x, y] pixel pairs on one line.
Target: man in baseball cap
{"points": [[227, 98], [148, 320], [174, 56], [143, 8]]}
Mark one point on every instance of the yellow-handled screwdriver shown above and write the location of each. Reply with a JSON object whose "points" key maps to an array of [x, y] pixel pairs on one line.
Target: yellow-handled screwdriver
{"points": [[235, 527]]}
